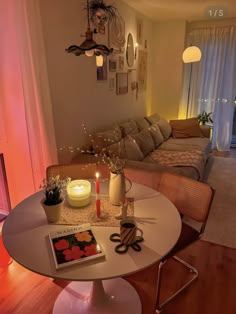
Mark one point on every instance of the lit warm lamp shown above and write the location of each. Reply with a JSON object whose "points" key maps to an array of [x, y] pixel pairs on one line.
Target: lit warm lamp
{"points": [[191, 54], [99, 61], [78, 193]]}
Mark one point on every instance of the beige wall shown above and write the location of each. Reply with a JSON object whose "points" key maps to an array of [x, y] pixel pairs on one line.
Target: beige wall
{"points": [[169, 42], [76, 94]]}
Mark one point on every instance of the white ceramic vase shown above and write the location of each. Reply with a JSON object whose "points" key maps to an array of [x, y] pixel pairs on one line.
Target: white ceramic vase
{"points": [[53, 212], [117, 188]]}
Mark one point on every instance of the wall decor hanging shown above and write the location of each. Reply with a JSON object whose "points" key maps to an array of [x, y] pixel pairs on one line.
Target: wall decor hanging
{"points": [[121, 83], [98, 14], [142, 69]]}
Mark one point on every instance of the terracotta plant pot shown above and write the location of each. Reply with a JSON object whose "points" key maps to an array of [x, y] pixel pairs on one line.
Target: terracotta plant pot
{"points": [[53, 212]]}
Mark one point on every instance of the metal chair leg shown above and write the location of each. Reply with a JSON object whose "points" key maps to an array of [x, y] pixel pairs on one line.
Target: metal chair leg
{"points": [[159, 307]]}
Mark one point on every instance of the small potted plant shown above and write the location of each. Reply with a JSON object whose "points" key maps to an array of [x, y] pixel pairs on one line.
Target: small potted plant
{"points": [[53, 188], [205, 117]]}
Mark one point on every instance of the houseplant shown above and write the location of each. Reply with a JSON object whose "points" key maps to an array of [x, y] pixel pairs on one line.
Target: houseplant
{"points": [[53, 188], [205, 117]]}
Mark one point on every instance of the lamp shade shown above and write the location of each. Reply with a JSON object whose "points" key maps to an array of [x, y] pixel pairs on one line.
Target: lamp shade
{"points": [[192, 54]]}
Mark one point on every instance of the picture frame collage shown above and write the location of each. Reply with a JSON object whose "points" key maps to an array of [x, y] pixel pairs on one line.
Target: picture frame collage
{"points": [[114, 69]]}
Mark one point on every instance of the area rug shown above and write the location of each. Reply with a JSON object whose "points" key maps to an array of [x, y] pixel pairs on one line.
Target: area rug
{"points": [[221, 225]]}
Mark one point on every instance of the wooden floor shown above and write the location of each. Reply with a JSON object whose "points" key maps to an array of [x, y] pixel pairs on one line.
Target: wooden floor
{"points": [[24, 292]]}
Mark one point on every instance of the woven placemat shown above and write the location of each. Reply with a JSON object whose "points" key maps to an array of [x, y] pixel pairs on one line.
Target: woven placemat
{"points": [[76, 216]]}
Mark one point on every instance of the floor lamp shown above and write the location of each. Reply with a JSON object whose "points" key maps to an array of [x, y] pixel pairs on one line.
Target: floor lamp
{"points": [[190, 55]]}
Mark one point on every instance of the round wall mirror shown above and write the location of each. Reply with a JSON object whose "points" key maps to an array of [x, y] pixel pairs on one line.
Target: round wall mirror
{"points": [[130, 51]]}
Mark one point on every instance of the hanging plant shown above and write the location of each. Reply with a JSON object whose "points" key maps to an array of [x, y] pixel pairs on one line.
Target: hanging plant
{"points": [[100, 13]]}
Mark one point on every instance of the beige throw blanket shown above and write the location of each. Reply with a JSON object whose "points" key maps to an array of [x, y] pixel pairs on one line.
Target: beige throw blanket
{"points": [[194, 158]]}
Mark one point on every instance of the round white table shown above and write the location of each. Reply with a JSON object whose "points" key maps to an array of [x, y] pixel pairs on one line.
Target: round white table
{"points": [[96, 286]]}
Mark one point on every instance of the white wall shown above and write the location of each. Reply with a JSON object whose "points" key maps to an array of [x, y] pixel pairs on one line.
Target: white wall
{"points": [[169, 39], [77, 96]]}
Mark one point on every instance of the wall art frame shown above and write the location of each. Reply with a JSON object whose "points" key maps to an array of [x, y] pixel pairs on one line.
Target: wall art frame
{"points": [[121, 83]]}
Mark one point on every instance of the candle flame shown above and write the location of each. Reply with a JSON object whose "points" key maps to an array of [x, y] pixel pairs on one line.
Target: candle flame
{"points": [[79, 188], [97, 175]]}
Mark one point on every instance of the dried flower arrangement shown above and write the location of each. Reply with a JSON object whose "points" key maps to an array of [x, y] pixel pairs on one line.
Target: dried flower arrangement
{"points": [[114, 161]]}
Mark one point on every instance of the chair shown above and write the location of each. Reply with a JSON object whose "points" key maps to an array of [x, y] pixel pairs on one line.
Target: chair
{"points": [[193, 199]]}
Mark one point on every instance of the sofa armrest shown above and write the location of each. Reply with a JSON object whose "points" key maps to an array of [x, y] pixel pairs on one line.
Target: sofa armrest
{"points": [[206, 130]]}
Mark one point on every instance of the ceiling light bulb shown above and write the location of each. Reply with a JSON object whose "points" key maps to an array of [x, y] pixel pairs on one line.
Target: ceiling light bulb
{"points": [[99, 61], [89, 53]]}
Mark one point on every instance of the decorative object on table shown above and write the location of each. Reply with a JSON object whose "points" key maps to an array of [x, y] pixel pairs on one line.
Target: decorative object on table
{"points": [[205, 117], [74, 245], [79, 193], [123, 211], [117, 188], [115, 163], [129, 230], [98, 201], [54, 188], [123, 248], [99, 14], [121, 83], [70, 216], [191, 55]]}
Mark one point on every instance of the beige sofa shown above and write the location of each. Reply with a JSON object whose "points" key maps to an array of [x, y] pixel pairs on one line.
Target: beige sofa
{"points": [[152, 143]]}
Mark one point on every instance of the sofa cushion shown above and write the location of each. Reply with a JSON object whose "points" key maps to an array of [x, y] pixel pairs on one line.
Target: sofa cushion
{"points": [[186, 128], [126, 148], [165, 128], [106, 138], [144, 141], [128, 128], [154, 118], [142, 123], [186, 144], [156, 134]]}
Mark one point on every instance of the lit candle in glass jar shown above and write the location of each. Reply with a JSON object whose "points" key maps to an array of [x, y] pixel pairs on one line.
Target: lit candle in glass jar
{"points": [[78, 193]]}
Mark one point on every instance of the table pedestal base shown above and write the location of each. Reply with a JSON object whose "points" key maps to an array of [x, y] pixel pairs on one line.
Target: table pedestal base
{"points": [[114, 296]]}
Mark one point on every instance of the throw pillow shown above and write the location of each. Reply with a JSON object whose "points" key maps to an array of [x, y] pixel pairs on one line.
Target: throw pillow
{"points": [[126, 148], [165, 128], [154, 118], [186, 128], [129, 128], [142, 123], [156, 134], [103, 139], [144, 141]]}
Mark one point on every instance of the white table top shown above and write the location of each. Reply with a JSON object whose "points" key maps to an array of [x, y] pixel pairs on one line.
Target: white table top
{"points": [[25, 235]]}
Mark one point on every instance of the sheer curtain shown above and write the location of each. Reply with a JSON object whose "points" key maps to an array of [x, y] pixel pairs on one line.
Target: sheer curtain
{"points": [[213, 81], [27, 139]]}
